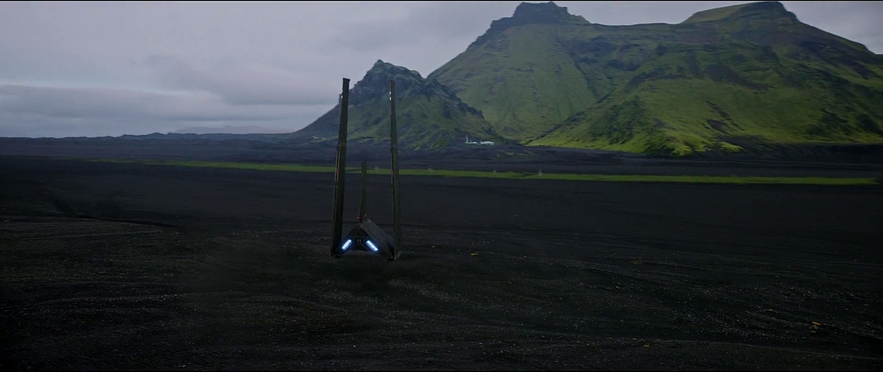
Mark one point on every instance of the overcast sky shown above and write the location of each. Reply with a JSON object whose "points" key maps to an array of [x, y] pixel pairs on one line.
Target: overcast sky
{"points": [[113, 68]]}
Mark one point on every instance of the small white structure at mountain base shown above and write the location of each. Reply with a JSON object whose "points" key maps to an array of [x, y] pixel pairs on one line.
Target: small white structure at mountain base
{"points": [[468, 142]]}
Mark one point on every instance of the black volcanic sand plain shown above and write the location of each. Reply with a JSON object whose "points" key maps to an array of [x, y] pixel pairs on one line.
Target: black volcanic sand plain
{"points": [[129, 266]]}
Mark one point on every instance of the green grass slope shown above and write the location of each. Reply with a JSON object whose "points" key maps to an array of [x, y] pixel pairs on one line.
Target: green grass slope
{"points": [[724, 76], [428, 115], [521, 79], [517, 175]]}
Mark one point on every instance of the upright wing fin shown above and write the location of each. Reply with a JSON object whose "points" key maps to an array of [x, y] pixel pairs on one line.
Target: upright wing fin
{"points": [[340, 171], [394, 150]]}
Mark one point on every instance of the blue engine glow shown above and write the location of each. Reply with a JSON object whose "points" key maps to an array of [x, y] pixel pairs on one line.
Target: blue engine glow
{"points": [[372, 246], [346, 244]]}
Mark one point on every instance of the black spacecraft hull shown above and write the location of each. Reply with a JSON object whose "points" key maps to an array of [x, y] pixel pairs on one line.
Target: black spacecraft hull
{"points": [[366, 235]]}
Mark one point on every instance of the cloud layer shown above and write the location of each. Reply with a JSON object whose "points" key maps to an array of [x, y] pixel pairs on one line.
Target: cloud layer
{"points": [[103, 68]]}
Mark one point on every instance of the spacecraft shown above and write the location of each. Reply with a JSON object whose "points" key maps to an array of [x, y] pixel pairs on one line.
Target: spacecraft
{"points": [[366, 235]]}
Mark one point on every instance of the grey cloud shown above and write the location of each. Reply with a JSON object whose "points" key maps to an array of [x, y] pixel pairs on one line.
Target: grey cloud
{"points": [[48, 109], [428, 24], [426, 31], [246, 84], [116, 103], [438, 21], [858, 21], [155, 65]]}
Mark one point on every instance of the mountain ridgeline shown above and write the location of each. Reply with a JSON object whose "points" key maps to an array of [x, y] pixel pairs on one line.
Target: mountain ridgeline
{"points": [[723, 79], [428, 114]]}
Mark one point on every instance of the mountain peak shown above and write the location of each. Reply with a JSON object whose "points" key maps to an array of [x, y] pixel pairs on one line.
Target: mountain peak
{"points": [[430, 115], [532, 13], [381, 66], [759, 10], [540, 13], [376, 81], [388, 69]]}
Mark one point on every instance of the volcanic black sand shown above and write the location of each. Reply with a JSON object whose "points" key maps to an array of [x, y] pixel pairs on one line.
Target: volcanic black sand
{"points": [[126, 266]]}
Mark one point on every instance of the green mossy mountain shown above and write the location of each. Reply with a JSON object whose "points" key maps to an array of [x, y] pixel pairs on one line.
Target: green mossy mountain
{"points": [[739, 75], [429, 116], [720, 78]]}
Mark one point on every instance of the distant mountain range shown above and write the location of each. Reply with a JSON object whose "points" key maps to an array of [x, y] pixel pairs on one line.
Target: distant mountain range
{"points": [[231, 130], [722, 80]]}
